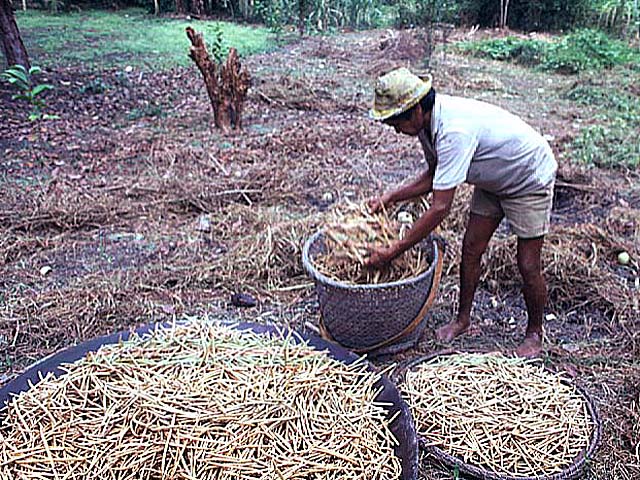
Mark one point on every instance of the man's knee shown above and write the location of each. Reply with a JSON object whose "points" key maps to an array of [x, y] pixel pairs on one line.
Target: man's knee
{"points": [[530, 269], [472, 246], [529, 262]]}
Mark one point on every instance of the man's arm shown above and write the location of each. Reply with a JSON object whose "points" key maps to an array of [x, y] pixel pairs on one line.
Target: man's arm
{"points": [[421, 185], [440, 207]]}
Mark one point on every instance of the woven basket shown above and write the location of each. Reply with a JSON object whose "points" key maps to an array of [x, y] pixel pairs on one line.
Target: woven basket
{"points": [[379, 319], [572, 472]]}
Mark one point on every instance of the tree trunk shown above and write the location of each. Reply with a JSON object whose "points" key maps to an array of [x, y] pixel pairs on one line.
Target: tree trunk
{"points": [[180, 7], [227, 84], [302, 15], [12, 46], [506, 13], [197, 7]]}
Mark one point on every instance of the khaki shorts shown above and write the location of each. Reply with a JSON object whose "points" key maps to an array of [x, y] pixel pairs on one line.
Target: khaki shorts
{"points": [[529, 215]]}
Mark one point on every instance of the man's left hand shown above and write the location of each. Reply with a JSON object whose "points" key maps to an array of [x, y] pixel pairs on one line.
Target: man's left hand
{"points": [[379, 257]]}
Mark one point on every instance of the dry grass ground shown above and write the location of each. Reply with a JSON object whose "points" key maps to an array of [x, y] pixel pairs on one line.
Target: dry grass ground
{"points": [[111, 220]]}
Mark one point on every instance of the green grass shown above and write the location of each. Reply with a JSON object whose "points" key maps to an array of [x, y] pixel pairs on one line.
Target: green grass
{"points": [[101, 39]]}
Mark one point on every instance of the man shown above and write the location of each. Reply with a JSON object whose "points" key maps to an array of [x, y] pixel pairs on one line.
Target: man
{"points": [[511, 166]]}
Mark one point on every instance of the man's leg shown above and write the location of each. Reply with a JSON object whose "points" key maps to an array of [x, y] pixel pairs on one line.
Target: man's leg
{"points": [[476, 238], [535, 294]]}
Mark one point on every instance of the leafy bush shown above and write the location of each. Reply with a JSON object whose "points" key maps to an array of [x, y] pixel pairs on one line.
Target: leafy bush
{"points": [[317, 15], [275, 14], [619, 16], [411, 13], [579, 51], [527, 52], [586, 50]]}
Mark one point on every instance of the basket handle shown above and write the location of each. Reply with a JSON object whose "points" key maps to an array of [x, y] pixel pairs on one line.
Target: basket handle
{"points": [[324, 332]]}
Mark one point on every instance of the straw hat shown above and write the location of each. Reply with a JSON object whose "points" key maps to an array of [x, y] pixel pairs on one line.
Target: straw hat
{"points": [[398, 91]]}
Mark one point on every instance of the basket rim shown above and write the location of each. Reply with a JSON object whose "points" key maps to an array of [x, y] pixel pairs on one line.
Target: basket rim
{"points": [[570, 472], [320, 277]]}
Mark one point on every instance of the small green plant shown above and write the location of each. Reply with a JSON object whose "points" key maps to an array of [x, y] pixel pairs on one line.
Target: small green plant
{"points": [[145, 111], [217, 46], [95, 86], [23, 79]]}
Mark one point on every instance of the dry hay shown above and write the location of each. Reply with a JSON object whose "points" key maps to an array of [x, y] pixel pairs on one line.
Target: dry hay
{"points": [[201, 400], [301, 94], [580, 267], [506, 415], [270, 257], [613, 381], [352, 232], [579, 261]]}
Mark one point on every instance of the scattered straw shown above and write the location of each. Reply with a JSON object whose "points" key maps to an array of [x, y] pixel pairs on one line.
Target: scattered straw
{"points": [[201, 401], [506, 415]]}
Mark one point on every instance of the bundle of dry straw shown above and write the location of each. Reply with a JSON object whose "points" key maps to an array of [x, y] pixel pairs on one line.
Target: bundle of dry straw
{"points": [[353, 232], [201, 401], [506, 415]]}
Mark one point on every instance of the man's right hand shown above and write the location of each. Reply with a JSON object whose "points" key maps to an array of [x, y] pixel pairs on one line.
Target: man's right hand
{"points": [[376, 204]]}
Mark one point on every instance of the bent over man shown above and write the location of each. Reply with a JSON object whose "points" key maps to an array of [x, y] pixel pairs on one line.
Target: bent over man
{"points": [[511, 167]]}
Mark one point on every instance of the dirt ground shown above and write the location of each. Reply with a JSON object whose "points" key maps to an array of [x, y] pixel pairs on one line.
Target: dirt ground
{"points": [[131, 209]]}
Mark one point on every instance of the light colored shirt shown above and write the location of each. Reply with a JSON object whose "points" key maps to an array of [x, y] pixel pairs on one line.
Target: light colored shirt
{"points": [[484, 145]]}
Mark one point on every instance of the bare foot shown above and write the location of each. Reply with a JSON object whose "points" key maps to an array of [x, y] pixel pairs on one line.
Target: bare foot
{"points": [[451, 330], [531, 346]]}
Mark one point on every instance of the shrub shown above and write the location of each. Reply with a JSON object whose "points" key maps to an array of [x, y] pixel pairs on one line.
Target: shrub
{"points": [[579, 51], [317, 15], [411, 13], [528, 52], [586, 50]]}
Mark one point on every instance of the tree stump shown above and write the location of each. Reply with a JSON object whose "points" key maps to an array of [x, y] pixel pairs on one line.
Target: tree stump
{"points": [[227, 83]]}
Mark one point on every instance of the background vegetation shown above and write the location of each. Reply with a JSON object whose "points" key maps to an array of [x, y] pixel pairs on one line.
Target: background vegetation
{"points": [[618, 17]]}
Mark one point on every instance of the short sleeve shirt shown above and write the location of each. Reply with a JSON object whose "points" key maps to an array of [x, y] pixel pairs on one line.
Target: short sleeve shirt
{"points": [[484, 145]]}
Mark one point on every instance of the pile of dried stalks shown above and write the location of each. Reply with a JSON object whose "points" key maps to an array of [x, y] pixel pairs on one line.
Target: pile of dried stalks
{"points": [[353, 232], [506, 415], [580, 267], [201, 401]]}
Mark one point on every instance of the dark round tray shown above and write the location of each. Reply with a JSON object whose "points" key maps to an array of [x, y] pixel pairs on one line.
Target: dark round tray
{"points": [[402, 427], [571, 472]]}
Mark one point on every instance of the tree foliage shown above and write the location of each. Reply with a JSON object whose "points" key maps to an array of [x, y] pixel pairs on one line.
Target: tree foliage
{"points": [[617, 16]]}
